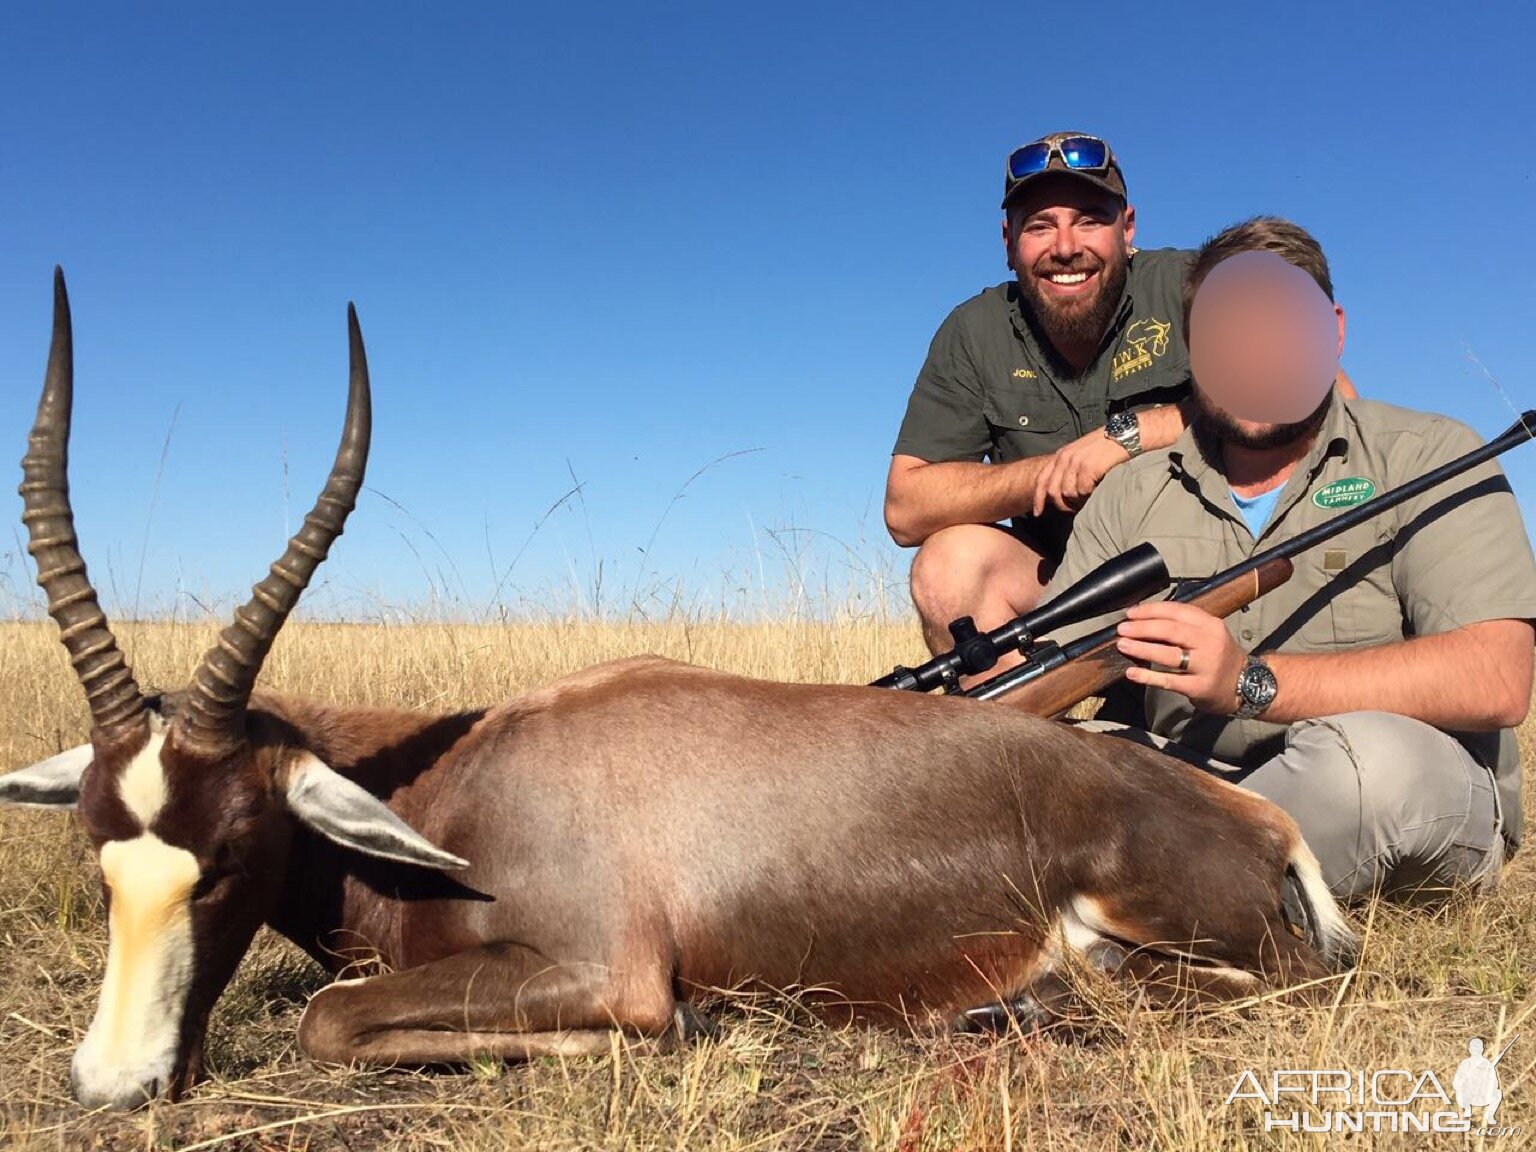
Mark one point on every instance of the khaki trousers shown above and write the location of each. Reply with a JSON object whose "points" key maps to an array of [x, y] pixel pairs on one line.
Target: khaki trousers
{"points": [[1388, 804]]}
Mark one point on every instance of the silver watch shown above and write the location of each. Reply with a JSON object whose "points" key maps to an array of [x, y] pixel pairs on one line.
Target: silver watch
{"points": [[1256, 688], [1125, 430]]}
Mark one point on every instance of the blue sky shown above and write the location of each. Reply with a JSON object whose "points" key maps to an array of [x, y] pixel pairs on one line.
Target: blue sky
{"points": [[624, 243]]}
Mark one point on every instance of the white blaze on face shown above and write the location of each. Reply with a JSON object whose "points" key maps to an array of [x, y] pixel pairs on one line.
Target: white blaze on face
{"points": [[142, 784], [130, 1049]]}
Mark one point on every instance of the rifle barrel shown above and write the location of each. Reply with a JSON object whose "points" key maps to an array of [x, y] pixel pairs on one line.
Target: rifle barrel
{"points": [[1522, 430], [1505, 1049]]}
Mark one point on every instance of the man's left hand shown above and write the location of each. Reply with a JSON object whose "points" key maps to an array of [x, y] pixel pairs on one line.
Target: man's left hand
{"points": [[1161, 633], [1075, 470]]}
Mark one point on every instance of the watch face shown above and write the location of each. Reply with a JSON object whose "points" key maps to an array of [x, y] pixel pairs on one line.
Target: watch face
{"points": [[1120, 423], [1257, 685]]}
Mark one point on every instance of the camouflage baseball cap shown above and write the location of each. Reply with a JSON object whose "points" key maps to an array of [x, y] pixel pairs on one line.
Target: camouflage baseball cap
{"points": [[1077, 154]]}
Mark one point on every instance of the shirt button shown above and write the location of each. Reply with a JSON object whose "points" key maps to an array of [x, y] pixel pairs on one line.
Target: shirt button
{"points": [[1023, 421], [1247, 633]]}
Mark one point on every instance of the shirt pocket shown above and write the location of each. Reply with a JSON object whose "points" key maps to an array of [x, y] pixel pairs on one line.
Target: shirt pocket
{"points": [[1027, 418], [1340, 595], [1356, 570]]}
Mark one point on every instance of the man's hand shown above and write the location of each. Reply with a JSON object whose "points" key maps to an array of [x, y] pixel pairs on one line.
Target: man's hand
{"points": [[1072, 472], [1162, 632]]}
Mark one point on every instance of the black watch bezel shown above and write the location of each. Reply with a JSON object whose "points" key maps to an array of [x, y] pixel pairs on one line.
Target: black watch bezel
{"points": [[1121, 424], [1125, 430]]}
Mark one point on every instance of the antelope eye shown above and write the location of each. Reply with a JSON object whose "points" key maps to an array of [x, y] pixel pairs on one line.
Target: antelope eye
{"points": [[211, 881]]}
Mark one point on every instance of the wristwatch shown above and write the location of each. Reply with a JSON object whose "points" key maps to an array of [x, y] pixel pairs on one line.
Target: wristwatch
{"points": [[1125, 430], [1256, 688]]}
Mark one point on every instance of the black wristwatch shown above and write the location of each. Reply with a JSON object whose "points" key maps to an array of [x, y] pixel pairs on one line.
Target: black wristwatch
{"points": [[1256, 688], [1125, 430]]}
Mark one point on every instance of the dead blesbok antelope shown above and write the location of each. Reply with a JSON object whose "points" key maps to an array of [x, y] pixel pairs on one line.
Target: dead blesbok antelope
{"points": [[593, 855]]}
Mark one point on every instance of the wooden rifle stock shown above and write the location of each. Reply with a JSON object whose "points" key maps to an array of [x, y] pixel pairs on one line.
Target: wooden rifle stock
{"points": [[1053, 693]]}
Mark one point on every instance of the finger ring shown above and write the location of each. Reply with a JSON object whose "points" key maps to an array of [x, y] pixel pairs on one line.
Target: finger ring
{"points": [[1183, 659]]}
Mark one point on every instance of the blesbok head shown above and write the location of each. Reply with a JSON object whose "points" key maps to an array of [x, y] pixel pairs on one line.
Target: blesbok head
{"points": [[188, 803]]}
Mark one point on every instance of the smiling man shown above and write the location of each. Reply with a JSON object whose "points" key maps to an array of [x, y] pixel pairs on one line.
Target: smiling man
{"points": [[1035, 388]]}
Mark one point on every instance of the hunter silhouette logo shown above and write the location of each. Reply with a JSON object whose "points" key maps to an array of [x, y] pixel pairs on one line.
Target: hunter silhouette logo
{"points": [[1381, 1100], [1476, 1083], [1144, 342]]}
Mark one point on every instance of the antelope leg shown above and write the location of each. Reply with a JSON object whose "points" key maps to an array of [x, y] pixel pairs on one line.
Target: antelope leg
{"points": [[500, 1001]]}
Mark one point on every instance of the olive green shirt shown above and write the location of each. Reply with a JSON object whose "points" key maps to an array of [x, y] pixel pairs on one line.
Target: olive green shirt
{"points": [[1455, 555], [993, 388]]}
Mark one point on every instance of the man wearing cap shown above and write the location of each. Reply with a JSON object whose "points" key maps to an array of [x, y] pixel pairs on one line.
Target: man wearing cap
{"points": [[1375, 693], [1075, 366], [1055, 377]]}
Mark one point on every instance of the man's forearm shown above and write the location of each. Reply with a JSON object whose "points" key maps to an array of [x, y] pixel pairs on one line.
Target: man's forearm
{"points": [[922, 497], [1162, 425], [1474, 678]]}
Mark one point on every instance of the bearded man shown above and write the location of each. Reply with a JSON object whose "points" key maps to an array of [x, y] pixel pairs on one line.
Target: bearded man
{"points": [[1374, 695], [1035, 388]]}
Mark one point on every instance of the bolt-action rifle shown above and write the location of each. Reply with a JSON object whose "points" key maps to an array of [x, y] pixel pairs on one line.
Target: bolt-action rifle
{"points": [[1054, 677]]}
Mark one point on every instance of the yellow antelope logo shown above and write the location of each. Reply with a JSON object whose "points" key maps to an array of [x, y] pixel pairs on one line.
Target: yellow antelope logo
{"points": [[1144, 341]]}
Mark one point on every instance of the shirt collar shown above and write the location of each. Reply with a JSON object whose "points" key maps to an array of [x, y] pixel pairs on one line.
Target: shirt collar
{"points": [[1201, 462]]}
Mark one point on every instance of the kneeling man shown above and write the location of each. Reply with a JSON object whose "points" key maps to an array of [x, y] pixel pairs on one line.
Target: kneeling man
{"points": [[1373, 695]]}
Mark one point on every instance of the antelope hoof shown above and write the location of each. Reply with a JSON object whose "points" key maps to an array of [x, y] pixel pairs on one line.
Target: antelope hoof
{"points": [[691, 1024], [1023, 1012]]}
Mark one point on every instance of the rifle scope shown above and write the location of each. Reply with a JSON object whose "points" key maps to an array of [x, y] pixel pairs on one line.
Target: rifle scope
{"points": [[1118, 583]]}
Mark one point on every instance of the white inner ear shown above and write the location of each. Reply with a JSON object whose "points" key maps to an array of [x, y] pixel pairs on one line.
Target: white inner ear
{"points": [[50, 783], [347, 814]]}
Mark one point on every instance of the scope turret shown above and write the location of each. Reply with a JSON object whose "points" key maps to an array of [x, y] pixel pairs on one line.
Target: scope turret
{"points": [[1119, 582]]}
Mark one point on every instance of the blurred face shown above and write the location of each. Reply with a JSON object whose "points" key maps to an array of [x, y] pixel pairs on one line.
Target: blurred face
{"points": [[1264, 344], [1216, 422], [1069, 245]]}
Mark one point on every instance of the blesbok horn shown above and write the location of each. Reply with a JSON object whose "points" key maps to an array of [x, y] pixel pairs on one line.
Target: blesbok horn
{"points": [[117, 706], [222, 684]]}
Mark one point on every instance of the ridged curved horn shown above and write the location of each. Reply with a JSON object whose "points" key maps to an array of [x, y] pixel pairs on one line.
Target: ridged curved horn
{"points": [[110, 689], [221, 686]]}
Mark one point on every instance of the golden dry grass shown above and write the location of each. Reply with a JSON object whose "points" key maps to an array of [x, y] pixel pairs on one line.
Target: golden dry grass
{"points": [[773, 1080]]}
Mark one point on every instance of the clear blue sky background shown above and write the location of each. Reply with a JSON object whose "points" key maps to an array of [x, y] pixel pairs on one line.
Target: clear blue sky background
{"points": [[620, 242]]}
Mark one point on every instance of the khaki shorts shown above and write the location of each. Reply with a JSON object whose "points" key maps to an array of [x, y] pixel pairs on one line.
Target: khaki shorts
{"points": [[1038, 539]]}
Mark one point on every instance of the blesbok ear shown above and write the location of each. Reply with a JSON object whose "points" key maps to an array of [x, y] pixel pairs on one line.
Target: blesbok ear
{"points": [[50, 783], [346, 814]]}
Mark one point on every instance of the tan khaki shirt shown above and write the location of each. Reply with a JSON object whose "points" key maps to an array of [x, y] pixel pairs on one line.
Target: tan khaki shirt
{"points": [[1455, 555]]}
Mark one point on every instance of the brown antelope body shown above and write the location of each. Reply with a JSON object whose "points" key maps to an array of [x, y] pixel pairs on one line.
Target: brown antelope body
{"points": [[596, 853]]}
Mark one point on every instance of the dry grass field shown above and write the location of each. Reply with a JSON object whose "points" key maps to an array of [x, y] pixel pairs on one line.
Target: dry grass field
{"points": [[773, 1079]]}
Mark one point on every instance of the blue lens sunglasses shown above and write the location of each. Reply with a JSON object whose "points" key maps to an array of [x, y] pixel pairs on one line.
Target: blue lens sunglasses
{"points": [[1079, 153]]}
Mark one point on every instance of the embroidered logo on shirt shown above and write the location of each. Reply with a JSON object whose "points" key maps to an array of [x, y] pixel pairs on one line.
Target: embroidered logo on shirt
{"points": [[1345, 493], [1144, 342], [1023, 374]]}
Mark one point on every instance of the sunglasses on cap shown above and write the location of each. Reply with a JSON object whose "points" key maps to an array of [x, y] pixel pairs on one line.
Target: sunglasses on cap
{"points": [[1078, 153]]}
